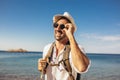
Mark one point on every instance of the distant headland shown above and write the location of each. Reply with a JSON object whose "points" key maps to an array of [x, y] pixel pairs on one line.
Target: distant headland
{"points": [[17, 50], [20, 50]]}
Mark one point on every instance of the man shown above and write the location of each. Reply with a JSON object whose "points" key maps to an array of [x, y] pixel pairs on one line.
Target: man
{"points": [[64, 28]]}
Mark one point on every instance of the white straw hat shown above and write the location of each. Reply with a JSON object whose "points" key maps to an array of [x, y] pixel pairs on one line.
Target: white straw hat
{"points": [[66, 15]]}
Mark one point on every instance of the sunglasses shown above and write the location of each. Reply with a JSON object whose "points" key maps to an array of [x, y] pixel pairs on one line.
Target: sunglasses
{"points": [[62, 26]]}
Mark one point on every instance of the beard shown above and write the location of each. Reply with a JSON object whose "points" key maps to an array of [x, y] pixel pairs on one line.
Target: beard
{"points": [[60, 38], [59, 35]]}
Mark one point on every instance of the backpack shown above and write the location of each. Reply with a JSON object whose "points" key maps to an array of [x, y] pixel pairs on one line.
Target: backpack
{"points": [[65, 60]]}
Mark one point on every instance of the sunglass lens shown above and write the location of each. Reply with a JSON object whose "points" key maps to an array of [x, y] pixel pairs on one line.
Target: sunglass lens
{"points": [[55, 25], [62, 26]]}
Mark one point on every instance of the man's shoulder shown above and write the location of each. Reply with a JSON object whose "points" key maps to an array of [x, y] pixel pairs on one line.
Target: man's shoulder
{"points": [[46, 48]]}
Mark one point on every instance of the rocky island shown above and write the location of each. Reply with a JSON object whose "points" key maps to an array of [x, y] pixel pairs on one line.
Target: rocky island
{"points": [[17, 50]]}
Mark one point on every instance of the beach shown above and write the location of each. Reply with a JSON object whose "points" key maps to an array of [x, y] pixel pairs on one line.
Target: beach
{"points": [[18, 77], [23, 66], [33, 77], [112, 77]]}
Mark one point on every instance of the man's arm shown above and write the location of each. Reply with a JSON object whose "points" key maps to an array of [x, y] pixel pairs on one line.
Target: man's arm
{"points": [[79, 59]]}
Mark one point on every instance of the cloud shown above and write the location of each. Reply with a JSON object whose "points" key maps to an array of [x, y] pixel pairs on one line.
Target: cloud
{"points": [[95, 43], [111, 48], [109, 38], [103, 38]]}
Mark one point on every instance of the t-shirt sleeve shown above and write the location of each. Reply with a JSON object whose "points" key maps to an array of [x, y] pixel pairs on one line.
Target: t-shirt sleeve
{"points": [[45, 50]]}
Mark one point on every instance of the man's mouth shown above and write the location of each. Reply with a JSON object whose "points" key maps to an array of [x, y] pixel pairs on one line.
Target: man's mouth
{"points": [[58, 32]]}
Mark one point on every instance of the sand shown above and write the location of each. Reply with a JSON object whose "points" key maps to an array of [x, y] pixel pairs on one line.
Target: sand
{"points": [[20, 77], [35, 77]]}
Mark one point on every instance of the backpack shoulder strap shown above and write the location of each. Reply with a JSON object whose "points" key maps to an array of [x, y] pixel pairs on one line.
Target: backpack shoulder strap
{"points": [[48, 57], [66, 58], [78, 76], [67, 64]]}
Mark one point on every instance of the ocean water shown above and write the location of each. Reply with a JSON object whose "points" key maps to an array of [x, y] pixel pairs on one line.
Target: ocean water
{"points": [[102, 65], [19, 63]]}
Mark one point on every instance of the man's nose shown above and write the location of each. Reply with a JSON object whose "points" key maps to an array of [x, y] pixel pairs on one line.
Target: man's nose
{"points": [[58, 28]]}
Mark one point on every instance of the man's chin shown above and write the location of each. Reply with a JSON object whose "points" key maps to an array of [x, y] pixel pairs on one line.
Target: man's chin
{"points": [[58, 39]]}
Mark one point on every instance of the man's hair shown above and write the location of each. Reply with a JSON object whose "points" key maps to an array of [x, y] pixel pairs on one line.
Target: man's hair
{"points": [[63, 18]]}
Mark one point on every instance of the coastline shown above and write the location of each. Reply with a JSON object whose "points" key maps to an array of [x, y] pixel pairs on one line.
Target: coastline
{"points": [[19, 52], [42, 52], [36, 77], [18, 77], [112, 77]]}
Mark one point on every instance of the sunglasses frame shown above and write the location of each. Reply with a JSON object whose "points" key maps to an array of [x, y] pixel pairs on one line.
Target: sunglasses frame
{"points": [[62, 26]]}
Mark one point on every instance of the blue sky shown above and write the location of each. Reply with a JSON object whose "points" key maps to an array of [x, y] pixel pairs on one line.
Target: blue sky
{"points": [[27, 24]]}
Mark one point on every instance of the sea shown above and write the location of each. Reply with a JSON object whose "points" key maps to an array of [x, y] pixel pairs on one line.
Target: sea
{"points": [[23, 66]]}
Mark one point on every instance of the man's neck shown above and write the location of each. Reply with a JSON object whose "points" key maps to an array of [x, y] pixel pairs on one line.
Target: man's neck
{"points": [[60, 46]]}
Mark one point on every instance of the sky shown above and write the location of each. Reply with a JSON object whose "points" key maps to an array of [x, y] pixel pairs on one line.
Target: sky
{"points": [[27, 24]]}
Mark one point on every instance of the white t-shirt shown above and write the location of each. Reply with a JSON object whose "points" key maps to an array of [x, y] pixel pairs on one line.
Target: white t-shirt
{"points": [[58, 72]]}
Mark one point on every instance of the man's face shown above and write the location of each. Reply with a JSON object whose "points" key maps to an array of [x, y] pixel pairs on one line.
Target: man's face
{"points": [[59, 33]]}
